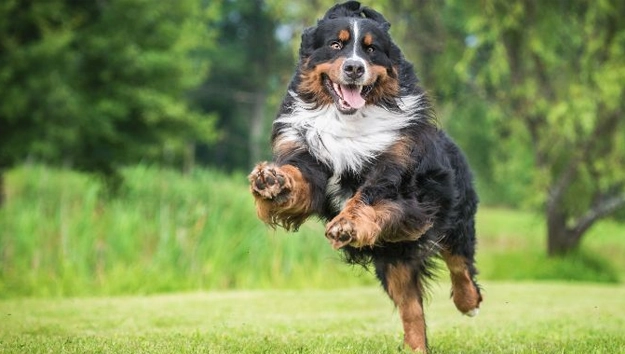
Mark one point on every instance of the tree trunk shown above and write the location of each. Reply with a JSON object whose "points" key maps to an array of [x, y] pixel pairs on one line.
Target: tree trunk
{"points": [[255, 145], [563, 238], [188, 160], [560, 239], [1, 187]]}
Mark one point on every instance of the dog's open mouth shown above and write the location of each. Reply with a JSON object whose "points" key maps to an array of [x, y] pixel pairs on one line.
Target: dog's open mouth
{"points": [[348, 98]]}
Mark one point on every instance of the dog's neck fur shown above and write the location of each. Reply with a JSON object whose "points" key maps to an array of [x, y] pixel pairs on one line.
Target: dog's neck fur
{"points": [[347, 142]]}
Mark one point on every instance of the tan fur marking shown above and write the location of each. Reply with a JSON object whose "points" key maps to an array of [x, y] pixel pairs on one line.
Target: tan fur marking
{"points": [[344, 35], [311, 80], [283, 147], [362, 225], [465, 295], [287, 205], [368, 39], [404, 293], [400, 151], [357, 219], [386, 86]]}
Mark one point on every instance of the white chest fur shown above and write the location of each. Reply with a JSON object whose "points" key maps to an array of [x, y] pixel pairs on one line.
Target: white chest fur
{"points": [[346, 142]]}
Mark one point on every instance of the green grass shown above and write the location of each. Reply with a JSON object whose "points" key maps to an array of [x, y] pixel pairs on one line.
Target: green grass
{"points": [[164, 232], [512, 246], [541, 318], [167, 232]]}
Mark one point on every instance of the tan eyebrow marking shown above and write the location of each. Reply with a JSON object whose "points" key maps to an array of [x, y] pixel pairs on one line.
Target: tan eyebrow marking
{"points": [[344, 35], [368, 39]]}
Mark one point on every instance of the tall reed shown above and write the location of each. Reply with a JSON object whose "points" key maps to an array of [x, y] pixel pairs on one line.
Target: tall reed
{"points": [[170, 232], [164, 232]]}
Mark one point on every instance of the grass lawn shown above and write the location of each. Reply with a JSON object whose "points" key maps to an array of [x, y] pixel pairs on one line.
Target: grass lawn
{"points": [[544, 317]]}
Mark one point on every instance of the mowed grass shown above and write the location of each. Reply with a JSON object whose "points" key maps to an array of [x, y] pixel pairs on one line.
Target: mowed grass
{"points": [[515, 318]]}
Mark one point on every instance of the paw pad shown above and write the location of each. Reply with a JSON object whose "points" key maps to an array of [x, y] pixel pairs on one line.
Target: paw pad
{"points": [[267, 181]]}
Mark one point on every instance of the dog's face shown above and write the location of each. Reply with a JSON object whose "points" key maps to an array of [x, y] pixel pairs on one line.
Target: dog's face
{"points": [[348, 61]]}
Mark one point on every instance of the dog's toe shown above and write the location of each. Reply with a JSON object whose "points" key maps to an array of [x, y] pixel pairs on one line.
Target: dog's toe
{"points": [[267, 181], [340, 233]]}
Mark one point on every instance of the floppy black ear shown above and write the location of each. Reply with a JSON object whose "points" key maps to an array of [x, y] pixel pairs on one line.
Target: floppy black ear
{"points": [[308, 42], [354, 9], [377, 17], [346, 9]]}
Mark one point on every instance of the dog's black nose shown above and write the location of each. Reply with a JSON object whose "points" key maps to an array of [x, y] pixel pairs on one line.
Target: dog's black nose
{"points": [[354, 69]]}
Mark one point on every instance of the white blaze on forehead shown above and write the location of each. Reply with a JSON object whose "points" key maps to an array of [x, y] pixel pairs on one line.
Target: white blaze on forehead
{"points": [[356, 36], [355, 56]]}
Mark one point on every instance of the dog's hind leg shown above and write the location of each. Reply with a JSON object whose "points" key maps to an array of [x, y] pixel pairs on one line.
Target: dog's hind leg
{"points": [[465, 291], [404, 286]]}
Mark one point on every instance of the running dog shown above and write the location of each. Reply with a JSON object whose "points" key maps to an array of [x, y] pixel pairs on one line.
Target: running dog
{"points": [[356, 144]]}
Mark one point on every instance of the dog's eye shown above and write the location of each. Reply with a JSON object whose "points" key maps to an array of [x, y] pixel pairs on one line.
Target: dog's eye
{"points": [[370, 50], [336, 45]]}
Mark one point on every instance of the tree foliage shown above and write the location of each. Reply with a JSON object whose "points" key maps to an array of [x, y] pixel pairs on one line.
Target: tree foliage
{"points": [[555, 70], [251, 64], [99, 83]]}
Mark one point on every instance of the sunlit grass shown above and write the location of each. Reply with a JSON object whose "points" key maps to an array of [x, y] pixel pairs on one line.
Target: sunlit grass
{"points": [[514, 318]]}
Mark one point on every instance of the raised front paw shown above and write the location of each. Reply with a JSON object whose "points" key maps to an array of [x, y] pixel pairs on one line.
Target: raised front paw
{"points": [[340, 232], [343, 231], [267, 181]]}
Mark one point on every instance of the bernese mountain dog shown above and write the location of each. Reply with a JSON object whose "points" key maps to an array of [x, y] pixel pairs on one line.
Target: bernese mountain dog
{"points": [[356, 144]]}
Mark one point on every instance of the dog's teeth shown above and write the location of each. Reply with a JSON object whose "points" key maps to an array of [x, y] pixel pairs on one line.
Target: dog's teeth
{"points": [[337, 89]]}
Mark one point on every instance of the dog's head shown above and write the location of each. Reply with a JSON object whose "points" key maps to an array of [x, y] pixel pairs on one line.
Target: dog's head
{"points": [[348, 59]]}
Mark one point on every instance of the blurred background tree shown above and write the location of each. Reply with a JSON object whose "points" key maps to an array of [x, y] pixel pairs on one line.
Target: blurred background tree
{"points": [[97, 84], [251, 65], [532, 91], [554, 73]]}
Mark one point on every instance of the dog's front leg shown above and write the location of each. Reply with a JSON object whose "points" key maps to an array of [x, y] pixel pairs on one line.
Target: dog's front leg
{"points": [[281, 193], [377, 212], [360, 224]]}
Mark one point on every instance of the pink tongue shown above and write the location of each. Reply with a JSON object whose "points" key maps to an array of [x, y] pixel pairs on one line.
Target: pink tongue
{"points": [[352, 96]]}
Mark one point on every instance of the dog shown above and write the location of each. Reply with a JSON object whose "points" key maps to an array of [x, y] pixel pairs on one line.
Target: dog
{"points": [[356, 143]]}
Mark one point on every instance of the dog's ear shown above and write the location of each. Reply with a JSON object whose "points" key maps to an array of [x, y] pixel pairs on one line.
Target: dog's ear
{"points": [[354, 9], [377, 17], [346, 9], [307, 45]]}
